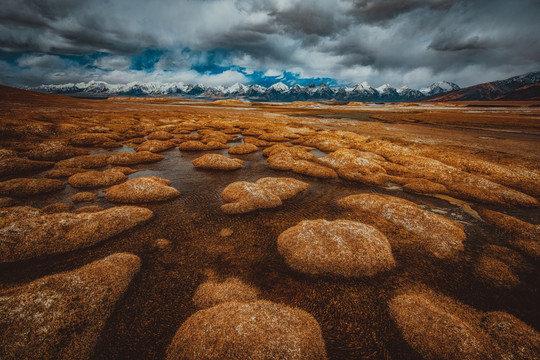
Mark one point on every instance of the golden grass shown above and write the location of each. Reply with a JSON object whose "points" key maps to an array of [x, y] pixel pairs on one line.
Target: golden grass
{"points": [[84, 161], [94, 140], [84, 196], [217, 162], [140, 157], [242, 149], [155, 146], [35, 236], [257, 330], [523, 236], [243, 196], [309, 168], [61, 316], [440, 236], [142, 190], [341, 247], [214, 292], [28, 186], [16, 166], [94, 179], [54, 151]]}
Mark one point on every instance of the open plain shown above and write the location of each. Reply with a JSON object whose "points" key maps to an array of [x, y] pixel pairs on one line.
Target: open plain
{"points": [[394, 231]]}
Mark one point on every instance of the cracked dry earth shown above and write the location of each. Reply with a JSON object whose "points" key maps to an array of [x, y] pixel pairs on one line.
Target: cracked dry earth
{"points": [[359, 232]]}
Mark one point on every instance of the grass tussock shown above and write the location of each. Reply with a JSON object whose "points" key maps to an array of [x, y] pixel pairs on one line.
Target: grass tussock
{"points": [[34, 236], [243, 196], [65, 312], [341, 247], [440, 236], [140, 157], [142, 190], [217, 162], [257, 330], [95, 179], [29, 187]]}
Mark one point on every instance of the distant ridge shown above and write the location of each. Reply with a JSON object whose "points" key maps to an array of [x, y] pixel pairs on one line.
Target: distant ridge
{"points": [[276, 92], [522, 87]]}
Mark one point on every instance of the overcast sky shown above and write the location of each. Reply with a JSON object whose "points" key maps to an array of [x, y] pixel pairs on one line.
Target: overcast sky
{"points": [[220, 42]]}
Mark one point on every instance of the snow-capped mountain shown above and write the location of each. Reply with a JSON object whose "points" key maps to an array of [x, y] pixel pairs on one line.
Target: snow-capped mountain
{"points": [[496, 90], [276, 92], [439, 87]]}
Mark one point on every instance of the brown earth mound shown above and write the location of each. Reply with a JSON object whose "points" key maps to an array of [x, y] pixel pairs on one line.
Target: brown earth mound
{"points": [[257, 330], [257, 142], [499, 266], [84, 161], [311, 169], [217, 162], [284, 188], [523, 236], [9, 214], [94, 179], [155, 146], [94, 140], [439, 328], [192, 145], [63, 172], [6, 154], [88, 209], [242, 149], [27, 187], [515, 339], [142, 190], [7, 201], [125, 170], [141, 157], [31, 237], [84, 196], [440, 236], [61, 316], [160, 135], [54, 151], [16, 166], [57, 208], [341, 247], [212, 292], [460, 183], [345, 157], [266, 193]]}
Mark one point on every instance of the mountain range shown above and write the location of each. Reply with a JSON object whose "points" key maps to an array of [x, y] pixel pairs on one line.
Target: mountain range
{"points": [[276, 92], [515, 88]]}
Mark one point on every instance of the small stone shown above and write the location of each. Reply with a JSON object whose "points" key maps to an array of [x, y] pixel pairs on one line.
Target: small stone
{"points": [[225, 232]]}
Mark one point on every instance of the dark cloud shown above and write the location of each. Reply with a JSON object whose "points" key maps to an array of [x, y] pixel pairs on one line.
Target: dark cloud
{"points": [[396, 41], [383, 10]]}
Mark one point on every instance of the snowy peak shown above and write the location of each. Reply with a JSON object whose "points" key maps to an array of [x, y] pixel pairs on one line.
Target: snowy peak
{"points": [[279, 87], [439, 87], [276, 92]]}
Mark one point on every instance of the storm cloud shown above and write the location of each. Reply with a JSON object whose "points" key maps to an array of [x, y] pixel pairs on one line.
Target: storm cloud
{"points": [[413, 42]]}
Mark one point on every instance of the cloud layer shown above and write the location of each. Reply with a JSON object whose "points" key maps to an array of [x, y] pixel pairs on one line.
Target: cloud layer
{"points": [[412, 42]]}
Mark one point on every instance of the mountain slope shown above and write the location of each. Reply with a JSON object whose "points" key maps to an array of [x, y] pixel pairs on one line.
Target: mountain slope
{"points": [[495, 90]]}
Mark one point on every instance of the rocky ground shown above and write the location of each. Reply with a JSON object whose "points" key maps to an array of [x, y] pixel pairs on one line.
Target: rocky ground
{"points": [[163, 228]]}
